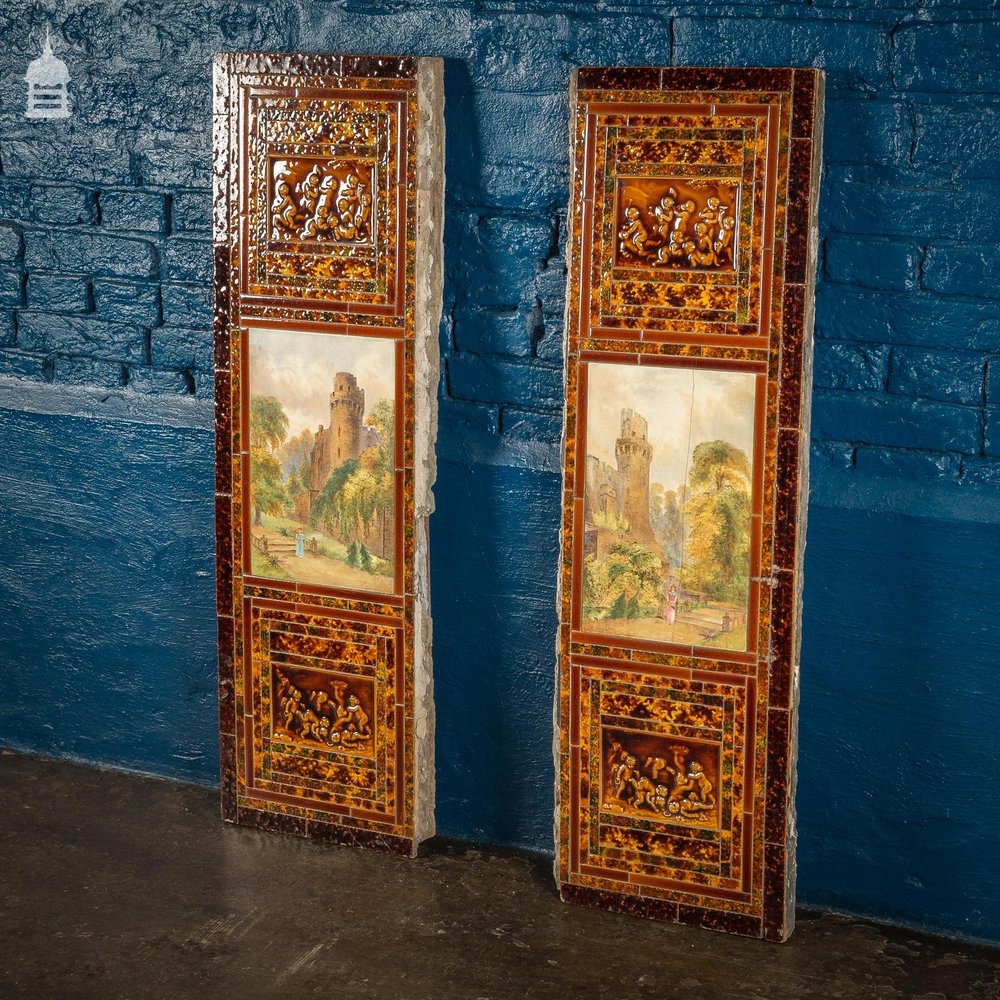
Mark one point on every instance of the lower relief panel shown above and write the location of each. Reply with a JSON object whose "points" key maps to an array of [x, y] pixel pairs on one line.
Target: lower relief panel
{"points": [[658, 788], [325, 726]]}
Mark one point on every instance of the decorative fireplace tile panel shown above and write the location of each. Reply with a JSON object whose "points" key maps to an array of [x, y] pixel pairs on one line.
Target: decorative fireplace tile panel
{"points": [[328, 184], [692, 251]]}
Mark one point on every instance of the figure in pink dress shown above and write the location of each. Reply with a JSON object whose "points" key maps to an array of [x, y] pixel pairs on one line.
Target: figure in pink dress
{"points": [[672, 604]]}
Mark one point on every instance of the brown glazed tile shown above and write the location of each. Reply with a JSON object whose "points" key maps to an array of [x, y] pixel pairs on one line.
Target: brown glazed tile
{"points": [[635, 906], [783, 607], [741, 924], [618, 78], [775, 915], [227, 668], [797, 213], [303, 753], [380, 67], [778, 748], [786, 507], [793, 335], [272, 822], [725, 79], [223, 554], [803, 103], [227, 777], [650, 304]]}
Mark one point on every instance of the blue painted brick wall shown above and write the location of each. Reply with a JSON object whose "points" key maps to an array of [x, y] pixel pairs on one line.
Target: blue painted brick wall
{"points": [[104, 276]]}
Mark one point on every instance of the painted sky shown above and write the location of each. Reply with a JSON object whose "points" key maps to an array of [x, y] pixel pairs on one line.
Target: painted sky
{"points": [[298, 369], [680, 405]]}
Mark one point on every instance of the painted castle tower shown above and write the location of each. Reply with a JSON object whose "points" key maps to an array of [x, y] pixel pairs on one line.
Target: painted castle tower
{"points": [[344, 439], [621, 491]]}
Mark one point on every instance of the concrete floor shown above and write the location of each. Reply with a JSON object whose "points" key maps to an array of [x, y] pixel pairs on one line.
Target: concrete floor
{"points": [[115, 886]]}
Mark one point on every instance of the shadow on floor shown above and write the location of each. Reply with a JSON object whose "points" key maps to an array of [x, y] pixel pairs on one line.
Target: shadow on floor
{"points": [[118, 886]]}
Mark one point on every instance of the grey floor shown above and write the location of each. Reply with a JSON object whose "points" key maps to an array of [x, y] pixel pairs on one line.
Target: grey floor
{"points": [[115, 886]]}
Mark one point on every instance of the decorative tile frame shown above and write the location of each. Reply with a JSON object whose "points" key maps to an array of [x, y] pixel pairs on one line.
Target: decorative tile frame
{"points": [[328, 176], [672, 140]]}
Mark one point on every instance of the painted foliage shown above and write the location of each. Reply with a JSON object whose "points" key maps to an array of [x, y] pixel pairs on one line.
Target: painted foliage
{"points": [[667, 504], [322, 477]]}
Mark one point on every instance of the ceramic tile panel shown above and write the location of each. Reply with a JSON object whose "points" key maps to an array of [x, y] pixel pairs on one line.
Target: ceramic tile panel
{"points": [[327, 239], [692, 259]]}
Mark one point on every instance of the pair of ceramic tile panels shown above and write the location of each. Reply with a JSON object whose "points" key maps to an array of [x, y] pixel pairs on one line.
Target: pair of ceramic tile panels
{"points": [[689, 295]]}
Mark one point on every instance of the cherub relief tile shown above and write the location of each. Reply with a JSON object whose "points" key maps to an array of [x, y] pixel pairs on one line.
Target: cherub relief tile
{"points": [[692, 254], [328, 188]]}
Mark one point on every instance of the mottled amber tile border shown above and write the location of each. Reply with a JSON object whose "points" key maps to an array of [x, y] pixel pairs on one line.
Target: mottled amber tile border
{"points": [[776, 345]]}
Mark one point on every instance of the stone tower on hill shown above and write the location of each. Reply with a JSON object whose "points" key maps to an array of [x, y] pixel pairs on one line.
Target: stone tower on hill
{"points": [[347, 408], [634, 453]]}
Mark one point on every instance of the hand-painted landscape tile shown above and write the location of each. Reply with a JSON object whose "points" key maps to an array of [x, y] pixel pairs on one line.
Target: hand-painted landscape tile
{"points": [[322, 459], [667, 504], [691, 228], [327, 271]]}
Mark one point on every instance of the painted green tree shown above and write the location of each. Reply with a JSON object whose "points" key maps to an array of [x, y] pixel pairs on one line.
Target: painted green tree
{"points": [[268, 430], [626, 583], [717, 515]]}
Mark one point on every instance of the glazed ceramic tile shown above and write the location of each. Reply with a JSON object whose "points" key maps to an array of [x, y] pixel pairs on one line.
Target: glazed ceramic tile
{"points": [[692, 251], [328, 184]]}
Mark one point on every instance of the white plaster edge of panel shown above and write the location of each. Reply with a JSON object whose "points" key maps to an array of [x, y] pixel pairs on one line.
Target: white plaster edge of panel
{"points": [[557, 699], [429, 271]]}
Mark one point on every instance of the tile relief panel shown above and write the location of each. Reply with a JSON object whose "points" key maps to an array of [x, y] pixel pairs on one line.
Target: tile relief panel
{"points": [[691, 255], [328, 179]]}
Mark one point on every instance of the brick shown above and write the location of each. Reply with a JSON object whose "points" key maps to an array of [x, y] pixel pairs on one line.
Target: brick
{"points": [[868, 131], [176, 159], [831, 454], [10, 243], [181, 347], [981, 472], [852, 53], [531, 425], [873, 263], [80, 336], [963, 270], [150, 381], [993, 380], [8, 330], [93, 253], [991, 437], [912, 466], [62, 204], [840, 365], [131, 210], [502, 256], [895, 422], [15, 195], [510, 185], [959, 140], [187, 260], [81, 371], [191, 212], [127, 301], [921, 319], [493, 331], [952, 212], [187, 305], [953, 57], [11, 282], [522, 128], [943, 375], [458, 418], [64, 292], [18, 364], [476, 379]]}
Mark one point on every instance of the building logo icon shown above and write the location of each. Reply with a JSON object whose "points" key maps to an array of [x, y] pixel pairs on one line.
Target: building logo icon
{"points": [[48, 81]]}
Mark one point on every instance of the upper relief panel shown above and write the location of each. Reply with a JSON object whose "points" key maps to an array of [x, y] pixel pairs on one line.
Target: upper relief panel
{"points": [[683, 211], [323, 199]]}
